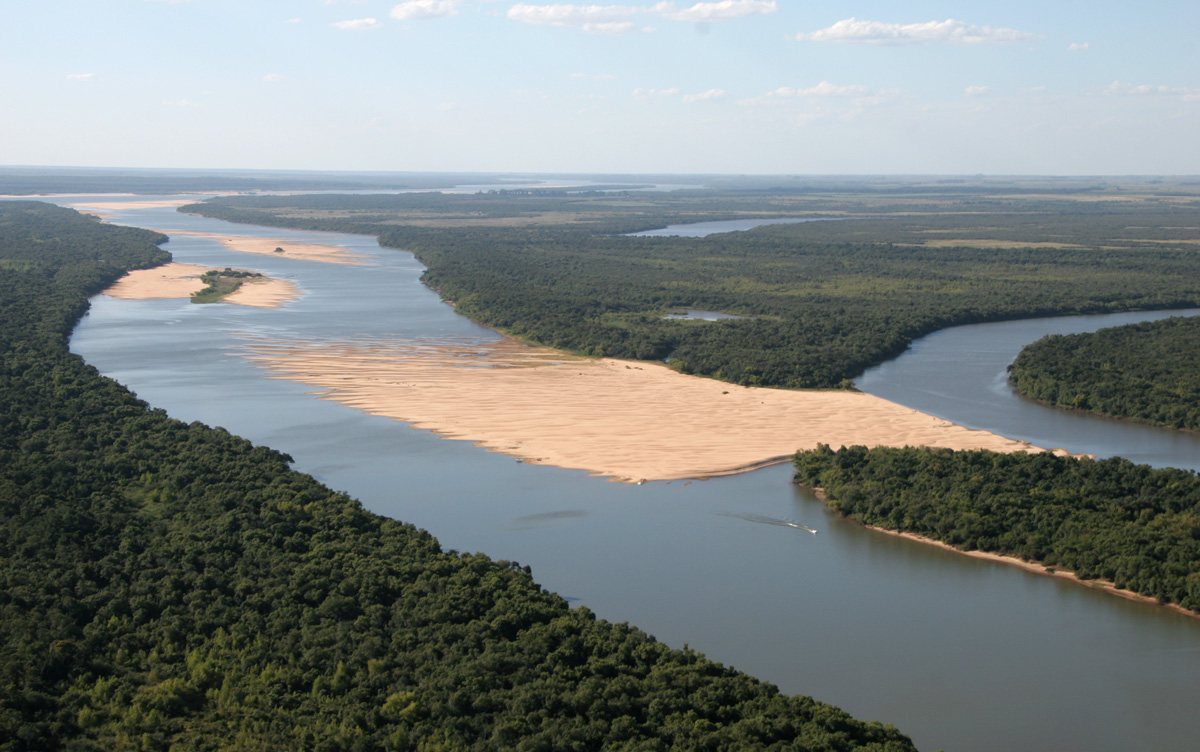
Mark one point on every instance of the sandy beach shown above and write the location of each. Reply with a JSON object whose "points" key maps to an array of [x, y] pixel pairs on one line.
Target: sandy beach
{"points": [[177, 280], [1106, 586], [627, 420], [302, 250]]}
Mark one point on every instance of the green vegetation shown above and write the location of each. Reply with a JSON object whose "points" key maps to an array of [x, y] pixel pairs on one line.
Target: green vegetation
{"points": [[1144, 372], [1109, 519], [171, 586], [220, 283], [823, 300]]}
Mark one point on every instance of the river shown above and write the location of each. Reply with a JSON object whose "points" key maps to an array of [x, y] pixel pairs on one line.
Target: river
{"points": [[961, 654]]}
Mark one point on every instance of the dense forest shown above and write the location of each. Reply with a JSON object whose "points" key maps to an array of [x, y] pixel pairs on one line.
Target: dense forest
{"points": [[1134, 525], [171, 586], [820, 301], [1148, 372], [219, 283]]}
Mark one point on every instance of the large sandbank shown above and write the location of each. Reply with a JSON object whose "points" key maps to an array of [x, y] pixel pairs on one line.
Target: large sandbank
{"points": [[177, 280], [303, 250], [627, 420]]}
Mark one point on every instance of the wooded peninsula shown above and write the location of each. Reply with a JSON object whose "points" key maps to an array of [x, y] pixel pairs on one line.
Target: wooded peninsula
{"points": [[1132, 525], [1148, 372]]}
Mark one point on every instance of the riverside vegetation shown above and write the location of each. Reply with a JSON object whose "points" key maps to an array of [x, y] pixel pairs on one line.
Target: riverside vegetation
{"points": [[171, 586], [1148, 372], [219, 283], [1133, 525], [821, 301]]}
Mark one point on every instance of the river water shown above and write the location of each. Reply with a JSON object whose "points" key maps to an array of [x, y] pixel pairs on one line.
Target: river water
{"points": [[959, 653]]}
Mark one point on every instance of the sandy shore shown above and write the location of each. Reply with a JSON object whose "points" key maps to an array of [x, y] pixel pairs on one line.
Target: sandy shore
{"points": [[1039, 568], [176, 280], [627, 420], [294, 249]]}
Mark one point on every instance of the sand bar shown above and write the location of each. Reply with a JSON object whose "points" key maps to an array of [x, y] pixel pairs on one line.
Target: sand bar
{"points": [[627, 420], [302, 250], [177, 280]]}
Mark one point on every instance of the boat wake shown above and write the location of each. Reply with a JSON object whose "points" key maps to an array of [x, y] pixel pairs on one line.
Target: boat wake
{"points": [[768, 521]]}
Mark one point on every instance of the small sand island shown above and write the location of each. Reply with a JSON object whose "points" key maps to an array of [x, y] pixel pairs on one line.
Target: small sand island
{"points": [[627, 420], [303, 250], [177, 280]]}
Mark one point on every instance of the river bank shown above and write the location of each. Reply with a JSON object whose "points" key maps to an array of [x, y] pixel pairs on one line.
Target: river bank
{"points": [[1036, 567]]}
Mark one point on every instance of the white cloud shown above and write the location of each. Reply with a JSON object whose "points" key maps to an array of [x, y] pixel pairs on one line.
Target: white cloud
{"points": [[1117, 88], [416, 10], [1078, 46], [848, 99], [81, 76], [975, 91], [358, 24], [878, 32], [823, 89], [611, 27], [274, 78], [563, 14], [704, 95], [719, 11], [619, 19], [648, 93]]}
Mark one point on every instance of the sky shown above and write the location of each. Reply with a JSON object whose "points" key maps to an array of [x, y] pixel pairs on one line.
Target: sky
{"points": [[1053, 87]]}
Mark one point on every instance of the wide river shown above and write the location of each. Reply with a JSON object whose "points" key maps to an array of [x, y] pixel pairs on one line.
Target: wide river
{"points": [[959, 653]]}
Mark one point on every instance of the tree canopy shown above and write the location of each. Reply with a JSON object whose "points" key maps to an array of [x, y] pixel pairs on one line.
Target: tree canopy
{"points": [[1134, 525], [1148, 372]]}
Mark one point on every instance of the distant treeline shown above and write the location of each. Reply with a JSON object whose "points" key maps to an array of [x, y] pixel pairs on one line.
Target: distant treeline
{"points": [[1101, 519], [171, 586], [73, 180], [1148, 372], [822, 300]]}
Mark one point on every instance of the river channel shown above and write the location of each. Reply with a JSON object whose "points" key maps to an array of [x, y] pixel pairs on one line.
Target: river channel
{"points": [[959, 653]]}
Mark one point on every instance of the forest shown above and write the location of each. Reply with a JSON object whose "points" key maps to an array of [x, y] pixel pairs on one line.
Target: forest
{"points": [[218, 283], [1147, 372], [820, 301], [172, 586], [1133, 525]]}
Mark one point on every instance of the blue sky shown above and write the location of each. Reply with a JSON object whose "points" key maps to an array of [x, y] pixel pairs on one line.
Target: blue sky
{"points": [[734, 86]]}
